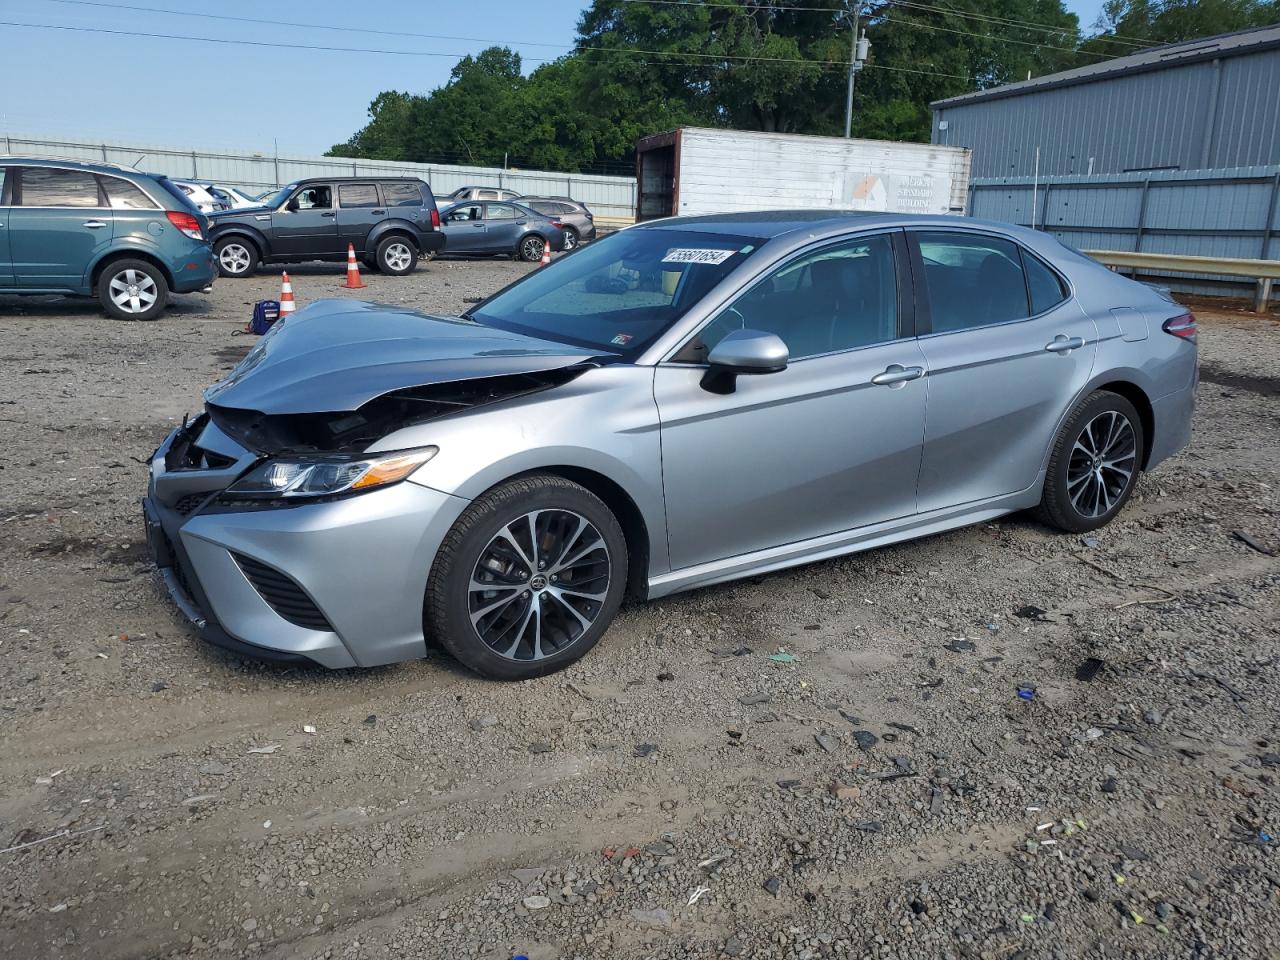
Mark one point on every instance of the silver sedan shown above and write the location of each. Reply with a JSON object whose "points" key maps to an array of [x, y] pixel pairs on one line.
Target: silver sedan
{"points": [[681, 403]]}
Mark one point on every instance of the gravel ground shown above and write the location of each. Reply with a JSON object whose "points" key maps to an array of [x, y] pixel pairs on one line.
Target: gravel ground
{"points": [[681, 793]]}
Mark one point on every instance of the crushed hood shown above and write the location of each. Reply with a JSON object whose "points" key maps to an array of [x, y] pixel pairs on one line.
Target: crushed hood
{"points": [[337, 355]]}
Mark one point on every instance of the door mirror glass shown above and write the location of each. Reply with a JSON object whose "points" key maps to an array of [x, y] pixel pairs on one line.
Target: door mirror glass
{"points": [[743, 352]]}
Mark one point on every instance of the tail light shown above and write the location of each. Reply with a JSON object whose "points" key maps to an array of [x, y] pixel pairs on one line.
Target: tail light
{"points": [[557, 224], [186, 223], [1183, 326], [435, 218]]}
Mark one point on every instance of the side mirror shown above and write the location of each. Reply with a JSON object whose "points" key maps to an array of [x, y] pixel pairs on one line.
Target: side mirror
{"points": [[743, 352], [292, 205]]}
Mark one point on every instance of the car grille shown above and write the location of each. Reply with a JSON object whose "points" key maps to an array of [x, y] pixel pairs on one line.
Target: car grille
{"points": [[283, 595], [186, 505]]}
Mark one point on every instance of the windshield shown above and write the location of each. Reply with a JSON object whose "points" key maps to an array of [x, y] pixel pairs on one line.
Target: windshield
{"points": [[620, 293], [277, 198]]}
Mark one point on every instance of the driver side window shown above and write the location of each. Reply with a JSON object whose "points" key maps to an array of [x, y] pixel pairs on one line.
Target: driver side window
{"points": [[314, 198], [838, 298]]}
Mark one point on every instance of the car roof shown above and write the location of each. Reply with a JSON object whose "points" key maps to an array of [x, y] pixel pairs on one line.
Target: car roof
{"points": [[93, 166], [768, 224], [355, 180]]}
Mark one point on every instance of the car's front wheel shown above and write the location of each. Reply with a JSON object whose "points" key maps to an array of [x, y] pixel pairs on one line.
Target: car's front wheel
{"points": [[236, 257], [528, 579], [397, 256], [1094, 464], [133, 290]]}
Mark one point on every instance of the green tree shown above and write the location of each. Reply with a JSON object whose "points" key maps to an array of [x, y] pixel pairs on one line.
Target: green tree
{"points": [[1170, 21]]}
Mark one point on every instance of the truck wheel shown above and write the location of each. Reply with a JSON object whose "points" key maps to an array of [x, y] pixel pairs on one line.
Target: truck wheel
{"points": [[236, 257], [133, 290], [397, 256]]}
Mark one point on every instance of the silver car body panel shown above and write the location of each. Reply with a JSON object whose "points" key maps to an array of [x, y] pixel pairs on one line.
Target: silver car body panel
{"points": [[796, 466]]}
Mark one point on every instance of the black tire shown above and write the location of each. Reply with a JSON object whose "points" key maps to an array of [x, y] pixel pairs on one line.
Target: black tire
{"points": [[133, 290], [529, 251], [370, 264], [571, 239], [397, 256], [1074, 499], [236, 257], [449, 599]]}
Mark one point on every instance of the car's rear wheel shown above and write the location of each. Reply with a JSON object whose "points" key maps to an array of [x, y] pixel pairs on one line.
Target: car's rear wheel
{"points": [[1094, 465], [397, 256], [570, 239], [530, 249], [133, 290], [236, 257], [528, 579]]}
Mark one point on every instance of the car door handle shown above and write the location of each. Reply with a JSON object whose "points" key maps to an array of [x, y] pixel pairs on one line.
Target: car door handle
{"points": [[93, 224], [377, 213], [1063, 344], [896, 373], [329, 214]]}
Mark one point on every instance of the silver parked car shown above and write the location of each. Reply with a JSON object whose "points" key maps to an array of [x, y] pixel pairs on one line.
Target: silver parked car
{"points": [[680, 403], [578, 222]]}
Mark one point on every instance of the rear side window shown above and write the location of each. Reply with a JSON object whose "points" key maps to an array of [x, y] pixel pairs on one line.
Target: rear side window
{"points": [[402, 194], [50, 187], [972, 280], [123, 195], [358, 195], [1045, 286], [500, 211], [545, 206], [486, 194]]}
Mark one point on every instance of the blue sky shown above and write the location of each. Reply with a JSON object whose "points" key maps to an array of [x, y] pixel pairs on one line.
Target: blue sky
{"points": [[88, 82]]}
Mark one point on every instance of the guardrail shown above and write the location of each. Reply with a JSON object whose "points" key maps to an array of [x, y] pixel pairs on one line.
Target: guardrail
{"points": [[1262, 272]]}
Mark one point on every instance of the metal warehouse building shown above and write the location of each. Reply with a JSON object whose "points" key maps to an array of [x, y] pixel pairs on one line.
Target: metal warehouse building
{"points": [[1173, 150], [1202, 105]]}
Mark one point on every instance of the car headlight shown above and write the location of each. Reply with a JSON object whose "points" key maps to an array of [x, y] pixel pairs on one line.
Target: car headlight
{"points": [[325, 476]]}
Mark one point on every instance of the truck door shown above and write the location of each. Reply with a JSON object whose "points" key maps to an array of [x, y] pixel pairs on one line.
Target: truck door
{"points": [[359, 209], [307, 226]]}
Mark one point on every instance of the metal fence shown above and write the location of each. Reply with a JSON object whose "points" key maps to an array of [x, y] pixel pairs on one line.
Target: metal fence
{"points": [[608, 197], [1208, 213]]}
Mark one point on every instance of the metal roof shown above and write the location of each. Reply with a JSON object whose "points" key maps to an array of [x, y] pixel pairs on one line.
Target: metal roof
{"points": [[1154, 58]]}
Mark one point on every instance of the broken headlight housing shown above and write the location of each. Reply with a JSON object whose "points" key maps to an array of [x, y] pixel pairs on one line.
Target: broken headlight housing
{"points": [[326, 476]]}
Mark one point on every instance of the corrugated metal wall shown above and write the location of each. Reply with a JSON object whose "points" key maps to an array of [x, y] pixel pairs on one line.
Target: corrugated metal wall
{"points": [[1208, 213], [256, 172], [1210, 114]]}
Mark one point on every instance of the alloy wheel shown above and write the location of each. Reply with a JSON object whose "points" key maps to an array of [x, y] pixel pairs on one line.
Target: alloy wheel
{"points": [[533, 248], [539, 584], [397, 256], [132, 290], [1102, 463], [570, 240], [235, 258]]}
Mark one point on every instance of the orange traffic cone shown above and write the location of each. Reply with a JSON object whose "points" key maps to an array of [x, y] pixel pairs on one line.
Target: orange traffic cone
{"points": [[546, 253], [286, 296], [353, 272]]}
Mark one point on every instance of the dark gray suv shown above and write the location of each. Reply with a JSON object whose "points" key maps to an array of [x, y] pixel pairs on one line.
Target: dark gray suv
{"points": [[391, 222]]}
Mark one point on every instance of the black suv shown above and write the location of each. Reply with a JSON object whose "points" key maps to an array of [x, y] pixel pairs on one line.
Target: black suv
{"points": [[391, 221]]}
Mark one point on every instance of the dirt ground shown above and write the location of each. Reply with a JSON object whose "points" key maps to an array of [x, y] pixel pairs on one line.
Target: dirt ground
{"points": [[682, 792]]}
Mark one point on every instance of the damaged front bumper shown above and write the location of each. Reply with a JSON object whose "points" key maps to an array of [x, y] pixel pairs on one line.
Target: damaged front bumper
{"points": [[338, 583]]}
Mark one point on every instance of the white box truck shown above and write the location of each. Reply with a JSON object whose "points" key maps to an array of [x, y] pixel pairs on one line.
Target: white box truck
{"points": [[698, 170]]}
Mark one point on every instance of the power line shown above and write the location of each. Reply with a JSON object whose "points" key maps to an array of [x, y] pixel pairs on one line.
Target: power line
{"points": [[986, 36], [1022, 24], [704, 58]]}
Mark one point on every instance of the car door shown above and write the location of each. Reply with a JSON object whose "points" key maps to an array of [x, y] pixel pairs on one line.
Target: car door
{"points": [[359, 210], [306, 225], [503, 226], [1008, 351], [6, 264], [58, 225], [829, 444], [464, 228]]}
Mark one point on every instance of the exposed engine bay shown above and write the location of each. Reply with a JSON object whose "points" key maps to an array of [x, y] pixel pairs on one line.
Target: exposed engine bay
{"points": [[353, 431]]}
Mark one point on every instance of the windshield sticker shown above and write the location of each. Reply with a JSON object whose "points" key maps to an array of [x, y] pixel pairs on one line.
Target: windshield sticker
{"points": [[690, 255], [621, 339]]}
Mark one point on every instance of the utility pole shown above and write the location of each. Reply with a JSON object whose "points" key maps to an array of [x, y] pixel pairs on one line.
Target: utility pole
{"points": [[859, 47]]}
